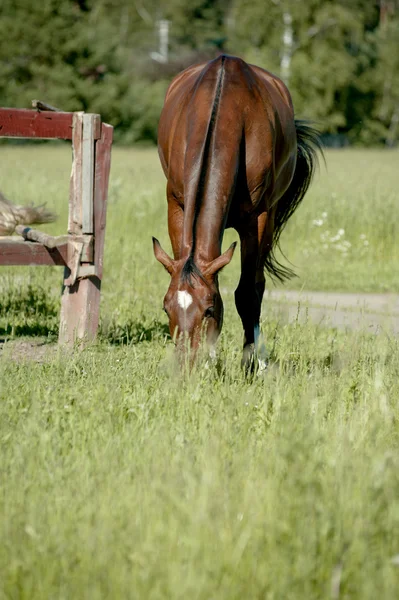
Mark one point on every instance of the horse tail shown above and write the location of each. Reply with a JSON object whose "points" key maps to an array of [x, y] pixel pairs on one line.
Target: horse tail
{"points": [[308, 146]]}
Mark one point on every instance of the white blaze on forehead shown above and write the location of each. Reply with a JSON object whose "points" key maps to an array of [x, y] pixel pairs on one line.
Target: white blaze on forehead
{"points": [[184, 299]]}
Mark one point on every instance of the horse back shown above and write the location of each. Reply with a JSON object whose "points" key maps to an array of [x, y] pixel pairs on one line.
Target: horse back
{"points": [[229, 115]]}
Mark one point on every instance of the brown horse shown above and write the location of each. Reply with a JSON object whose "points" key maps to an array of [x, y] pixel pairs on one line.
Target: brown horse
{"points": [[234, 156]]}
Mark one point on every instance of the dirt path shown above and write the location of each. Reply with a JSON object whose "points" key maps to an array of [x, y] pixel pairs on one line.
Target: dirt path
{"points": [[34, 349], [372, 312]]}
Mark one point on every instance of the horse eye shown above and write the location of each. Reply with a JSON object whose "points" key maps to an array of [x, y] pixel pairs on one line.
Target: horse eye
{"points": [[210, 312]]}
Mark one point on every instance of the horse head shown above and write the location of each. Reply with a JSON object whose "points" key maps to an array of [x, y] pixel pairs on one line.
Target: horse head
{"points": [[193, 302]]}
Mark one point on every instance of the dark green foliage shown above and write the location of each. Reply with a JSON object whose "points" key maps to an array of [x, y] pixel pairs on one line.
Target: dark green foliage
{"points": [[343, 65]]}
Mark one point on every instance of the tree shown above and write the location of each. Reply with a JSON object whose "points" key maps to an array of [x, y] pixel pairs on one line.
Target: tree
{"points": [[339, 58]]}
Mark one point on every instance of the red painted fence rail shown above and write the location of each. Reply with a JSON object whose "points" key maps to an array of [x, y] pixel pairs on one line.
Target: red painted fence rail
{"points": [[33, 124]]}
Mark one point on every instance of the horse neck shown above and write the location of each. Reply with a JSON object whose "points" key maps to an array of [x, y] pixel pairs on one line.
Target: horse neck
{"points": [[205, 219]]}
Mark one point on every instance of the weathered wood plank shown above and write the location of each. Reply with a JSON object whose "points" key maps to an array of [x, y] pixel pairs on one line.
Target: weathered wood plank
{"points": [[44, 106], [79, 316], [50, 241], [80, 303], [9, 245], [34, 235], [23, 123], [75, 251], [103, 165], [88, 173], [13, 253], [75, 187]]}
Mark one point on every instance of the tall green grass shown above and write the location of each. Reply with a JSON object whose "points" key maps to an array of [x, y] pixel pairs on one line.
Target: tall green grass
{"points": [[343, 236], [121, 478]]}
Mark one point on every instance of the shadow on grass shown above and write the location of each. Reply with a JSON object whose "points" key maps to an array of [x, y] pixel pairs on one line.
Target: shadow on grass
{"points": [[134, 331], [27, 329], [117, 334], [29, 311]]}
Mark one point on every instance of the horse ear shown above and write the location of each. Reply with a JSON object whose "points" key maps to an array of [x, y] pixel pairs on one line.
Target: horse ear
{"points": [[221, 261], [161, 255]]}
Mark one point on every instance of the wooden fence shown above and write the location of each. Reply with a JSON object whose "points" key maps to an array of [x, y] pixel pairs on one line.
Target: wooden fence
{"points": [[81, 250]]}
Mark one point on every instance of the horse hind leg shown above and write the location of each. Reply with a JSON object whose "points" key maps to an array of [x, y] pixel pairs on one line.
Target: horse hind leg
{"points": [[250, 290]]}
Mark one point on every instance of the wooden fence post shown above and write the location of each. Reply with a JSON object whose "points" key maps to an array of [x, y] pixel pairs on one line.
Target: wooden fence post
{"points": [[80, 302]]}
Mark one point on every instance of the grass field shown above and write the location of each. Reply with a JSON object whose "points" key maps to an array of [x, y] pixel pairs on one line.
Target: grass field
{"points": [[121, 478]]}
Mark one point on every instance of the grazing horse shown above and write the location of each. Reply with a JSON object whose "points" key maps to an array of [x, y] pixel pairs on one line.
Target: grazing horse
{"points": [[234, 156]]}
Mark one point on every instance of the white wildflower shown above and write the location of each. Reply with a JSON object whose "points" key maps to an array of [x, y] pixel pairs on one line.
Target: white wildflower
{"points": [[318, 222], [341, 232], [365, 243], [363, 236], [324, 215], [29, 530]]}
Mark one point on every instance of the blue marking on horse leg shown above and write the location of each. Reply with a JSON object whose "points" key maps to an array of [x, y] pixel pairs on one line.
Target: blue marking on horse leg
{"points": [[260, 350]]}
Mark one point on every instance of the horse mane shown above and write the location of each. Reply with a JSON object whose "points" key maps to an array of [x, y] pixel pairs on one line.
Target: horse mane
{"points": [[189, 271], [309, 144]]}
